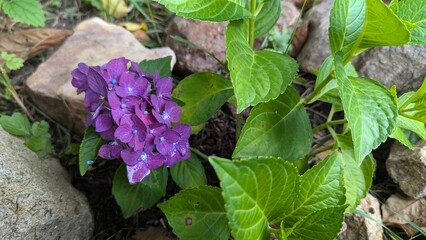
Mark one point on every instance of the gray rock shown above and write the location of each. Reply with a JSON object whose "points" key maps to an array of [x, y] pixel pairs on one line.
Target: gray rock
{"points": [[94, 42], [317, 47], [209, 36], [36, 198], [403, 66], [408, 169], [361, 228]]}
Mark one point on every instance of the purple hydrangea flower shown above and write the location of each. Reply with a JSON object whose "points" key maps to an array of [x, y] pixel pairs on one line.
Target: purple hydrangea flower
{"points": [[134, 112]]}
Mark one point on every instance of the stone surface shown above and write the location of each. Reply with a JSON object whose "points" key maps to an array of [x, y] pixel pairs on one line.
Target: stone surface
{"points": [[408, 168], [317, 46], [398, 209], [209, 36], [361, 228], [36, 198], [289, 16], [94, 42], [403, 66]]}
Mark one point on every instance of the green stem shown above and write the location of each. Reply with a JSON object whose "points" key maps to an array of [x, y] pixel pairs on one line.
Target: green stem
{"points": [[9, 87], [199, 153], [318, 151], [252, 20], [328, 124], [310, 97]]}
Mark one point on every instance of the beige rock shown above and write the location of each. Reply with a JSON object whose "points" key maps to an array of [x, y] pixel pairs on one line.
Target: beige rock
{"points": [[408, 168], [36, 197], [209, 36], [317, 46], [398, 209], [94, 42], [361, 228]]}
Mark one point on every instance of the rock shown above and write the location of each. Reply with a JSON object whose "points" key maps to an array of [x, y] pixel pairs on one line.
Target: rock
{"points": [[403, 66], [94, 42], [361, 228], [209, 36], [317, 47], [36, 197], [408, 168], [289, 16], [398, 209]]}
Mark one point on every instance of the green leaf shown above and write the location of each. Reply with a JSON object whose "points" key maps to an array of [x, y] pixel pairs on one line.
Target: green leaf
{"points": [[371, 114], [278, 128], [257, 191], [356, 25], [197, 213], [189, 173], [208, 10], [383, 27], [12, 61], [320, 187], [17, 124], [267, 17], [414, 11], [323, 224], [40, 140], [26, 11], [257, 76], [347, 19], [203, 94], [140, 196], [399, 135], [89, 149], [357, 180], [163, 65]]}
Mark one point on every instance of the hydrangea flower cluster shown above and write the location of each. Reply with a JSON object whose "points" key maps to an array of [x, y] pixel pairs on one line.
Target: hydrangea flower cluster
{"points": [[134, 112]]}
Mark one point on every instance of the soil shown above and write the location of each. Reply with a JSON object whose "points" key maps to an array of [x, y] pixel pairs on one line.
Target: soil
{"points": [[217, 138]]}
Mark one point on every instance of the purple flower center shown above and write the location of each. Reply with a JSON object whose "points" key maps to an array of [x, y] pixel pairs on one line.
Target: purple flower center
{"points": [[151, 131], [89, 162], [135, 131], [160, 95], [145, 112], [114, 81], [123, 105], [165, 115], [161, 139], [143, 157], [130, 89]]}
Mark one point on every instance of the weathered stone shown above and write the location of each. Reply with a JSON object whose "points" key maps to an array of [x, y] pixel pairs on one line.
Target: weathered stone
{"points": [[403, 66], [209, 36], [36, 197], [289, 16], [361, 228], [317, 47], [398, 210], [408, 168], [94, 42]]}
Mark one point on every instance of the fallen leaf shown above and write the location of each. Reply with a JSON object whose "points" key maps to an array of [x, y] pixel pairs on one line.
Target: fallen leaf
{"points": [[30, 42], [398, 209], [116, 8], [141, 35], [132, 26]]}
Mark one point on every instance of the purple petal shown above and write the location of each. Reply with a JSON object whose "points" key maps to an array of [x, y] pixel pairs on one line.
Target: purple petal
{"points": [[113, 100], [108, 134], [124, 133], [110, 151], [137, 173], [116, 67], [184, 130], [172, 112], [164, 87], [155, 161], [130, 158], [103, 123], [90, 97], [96, 82], [172, 159]]}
